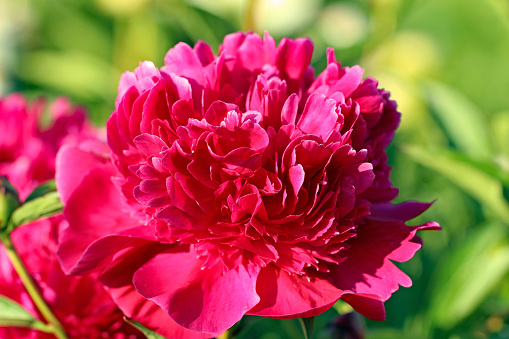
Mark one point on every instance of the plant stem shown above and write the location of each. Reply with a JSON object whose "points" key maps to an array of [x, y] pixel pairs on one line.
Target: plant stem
{"points": [[307, 326], [31, 288]]}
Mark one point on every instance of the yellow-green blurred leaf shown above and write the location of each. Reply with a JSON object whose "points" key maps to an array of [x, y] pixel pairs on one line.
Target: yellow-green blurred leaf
{"points": [[13, 314], [481, 185], [468, 275], [462, 121], [71, 72]]}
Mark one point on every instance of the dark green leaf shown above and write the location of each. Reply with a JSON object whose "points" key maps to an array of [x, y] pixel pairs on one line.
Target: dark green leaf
{"points": [[148, 333], [41, 207]]}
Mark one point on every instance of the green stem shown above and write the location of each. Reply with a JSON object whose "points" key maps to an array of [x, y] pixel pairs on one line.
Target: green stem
{"points": [[31, 288], [307, 326]]}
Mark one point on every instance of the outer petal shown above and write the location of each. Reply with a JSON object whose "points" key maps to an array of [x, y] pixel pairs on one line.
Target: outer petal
{"points": [[208, 300], [72, 164], [285, 295], [367, 268], [369, 305], [95, 209], [118, 280]]}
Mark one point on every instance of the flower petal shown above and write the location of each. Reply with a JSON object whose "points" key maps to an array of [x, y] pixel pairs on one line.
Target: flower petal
{"points": [[208, 300], [92, 216], [285, 295], [72, 164]]}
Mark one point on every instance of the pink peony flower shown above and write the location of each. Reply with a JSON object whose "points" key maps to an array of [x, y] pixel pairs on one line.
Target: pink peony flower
{"points": [[27, 158], [240, 184], [27, 148], [81, 304]]}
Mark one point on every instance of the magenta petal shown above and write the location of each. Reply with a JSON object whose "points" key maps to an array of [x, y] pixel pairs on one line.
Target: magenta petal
{"points": [[412, 243], [290, 109], [285, 295], [369, 305], [293, 57], [92, 216], [349, 82], [118, 280], [75, 258], [149, 145], [208, 300], [367, 268], [183, 61], [72, 164], [150, 315], [319, 116], [363, 272]]}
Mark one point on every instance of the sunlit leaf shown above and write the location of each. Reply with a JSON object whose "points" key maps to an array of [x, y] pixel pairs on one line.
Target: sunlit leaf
{"points": [[41, 207], [342, 307], [465, 278], [43, 189], [474, 180], [461, 120], [13, 314], [9, 201]]}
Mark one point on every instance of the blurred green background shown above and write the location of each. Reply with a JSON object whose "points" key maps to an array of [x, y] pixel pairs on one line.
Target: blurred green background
{"points": [[446, 62]]}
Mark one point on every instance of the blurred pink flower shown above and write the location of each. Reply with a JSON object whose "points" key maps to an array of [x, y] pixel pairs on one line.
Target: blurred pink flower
{"points": [[82, 305], [27, 158], [27, 147], [240, 184]]}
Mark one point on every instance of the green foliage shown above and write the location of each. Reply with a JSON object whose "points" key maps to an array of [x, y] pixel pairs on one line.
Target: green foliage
{"points": [[13, 314], [41, 207], [465, 278], [43, 189], [148, 333], [43, 202], [9, 201]]}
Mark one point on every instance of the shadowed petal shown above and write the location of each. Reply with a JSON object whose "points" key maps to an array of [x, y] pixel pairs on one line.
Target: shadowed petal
{"points": [[285, 295]]}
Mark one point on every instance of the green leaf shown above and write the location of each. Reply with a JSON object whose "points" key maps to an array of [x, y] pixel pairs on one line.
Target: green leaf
{"points": [[9, 201], [41, 207], [473, 179], [13, 314], [461, 120], [308, 325], [469, 274], [47, 187], [342, 307], [148, 333], [77, 73]]}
